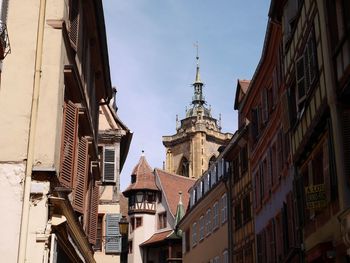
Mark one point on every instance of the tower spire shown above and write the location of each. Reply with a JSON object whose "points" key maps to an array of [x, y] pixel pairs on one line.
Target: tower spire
{"points": [[198, 98]]}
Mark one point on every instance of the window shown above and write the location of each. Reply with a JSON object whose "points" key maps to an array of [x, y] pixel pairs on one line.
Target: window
{"points": [[246, 208], [216, 215], [201, 228], [254, 125], [187, 241], [98, 245], [138, 221], [244, 159], [225, 257], [113, 237], [184, 234], [162, 220], [109, 169], [194, 234], [235, 166], [184, 167], [238, 216], [306, 70], [223, 208], [208, 222]]}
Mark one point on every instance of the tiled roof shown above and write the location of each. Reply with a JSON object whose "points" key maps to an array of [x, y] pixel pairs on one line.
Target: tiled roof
{"points": [[145, 179], [171, 185], [156, 238], [244, 84]]}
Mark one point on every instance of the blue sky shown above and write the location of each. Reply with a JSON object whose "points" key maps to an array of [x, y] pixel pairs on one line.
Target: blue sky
{"points": [[152, 61]]}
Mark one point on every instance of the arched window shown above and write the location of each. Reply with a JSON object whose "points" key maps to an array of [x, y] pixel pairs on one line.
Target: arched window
{"points": [[184, 168], [211, 161]]}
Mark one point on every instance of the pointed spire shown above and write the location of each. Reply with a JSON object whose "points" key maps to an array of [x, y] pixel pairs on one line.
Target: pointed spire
{"points": [[198, 77], [180, 212]]}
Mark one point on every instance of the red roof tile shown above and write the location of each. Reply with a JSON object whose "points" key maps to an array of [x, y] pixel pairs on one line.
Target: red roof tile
{"points": [[156, 238], [145, 179], [171, 185]]}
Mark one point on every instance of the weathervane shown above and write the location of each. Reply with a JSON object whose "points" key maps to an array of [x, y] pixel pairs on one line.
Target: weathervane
{"points": [[197, 48]]}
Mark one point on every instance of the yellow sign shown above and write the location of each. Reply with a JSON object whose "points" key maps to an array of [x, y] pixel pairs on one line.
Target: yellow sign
{"points": [[316, 197]]}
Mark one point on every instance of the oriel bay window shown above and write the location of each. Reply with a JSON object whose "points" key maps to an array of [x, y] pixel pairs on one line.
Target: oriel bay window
{"points": [[142, 201]]}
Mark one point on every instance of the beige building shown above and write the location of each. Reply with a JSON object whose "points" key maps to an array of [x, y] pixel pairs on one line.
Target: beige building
{"points": [[114, 140], [198, 136], [52, 84], [205, 225]]}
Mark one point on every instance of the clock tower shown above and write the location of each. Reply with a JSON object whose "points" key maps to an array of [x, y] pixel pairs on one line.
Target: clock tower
{"points": [[190, 151]]}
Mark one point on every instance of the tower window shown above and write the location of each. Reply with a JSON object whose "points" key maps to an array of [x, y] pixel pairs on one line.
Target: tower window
{"points": [[184, 167]]}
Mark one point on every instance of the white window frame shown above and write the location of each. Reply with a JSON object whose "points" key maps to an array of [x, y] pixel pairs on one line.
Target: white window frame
{"points": [[224, 208], [225, 256], [201, 228], [208, 223], [215, 215], [194, 234]]}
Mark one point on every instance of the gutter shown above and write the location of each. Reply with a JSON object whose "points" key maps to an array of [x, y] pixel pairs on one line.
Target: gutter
{"points": [[32, 130]]}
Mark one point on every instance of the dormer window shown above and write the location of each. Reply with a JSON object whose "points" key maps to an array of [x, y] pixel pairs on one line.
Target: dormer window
{"points": [[133, 178]]}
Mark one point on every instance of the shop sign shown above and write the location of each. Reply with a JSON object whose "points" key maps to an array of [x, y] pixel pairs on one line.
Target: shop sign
{"points": [[316, 197]]}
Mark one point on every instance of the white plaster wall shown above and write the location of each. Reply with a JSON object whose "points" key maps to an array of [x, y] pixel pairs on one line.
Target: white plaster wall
{"points": [[39, 231], [11, 178], [140, 235]]}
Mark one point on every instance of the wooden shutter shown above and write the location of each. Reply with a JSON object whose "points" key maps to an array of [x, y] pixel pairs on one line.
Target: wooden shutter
{"points": [[113, 237], [290, 220], [300, 77], [68, 146], [93, 213], [74, 23], [285, 111], [346, 143], [109, 165], [257, 189], [279, 154], [80, 180], [325, 163], [269, 179], [265, 108]]}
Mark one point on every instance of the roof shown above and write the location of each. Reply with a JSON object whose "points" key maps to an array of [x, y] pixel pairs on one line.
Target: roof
{"points": [[144, 180], [156, 238], [241, 90], [171, 184]]}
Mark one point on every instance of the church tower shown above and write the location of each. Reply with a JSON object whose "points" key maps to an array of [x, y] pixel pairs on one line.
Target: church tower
{"points": [[198, 136]]}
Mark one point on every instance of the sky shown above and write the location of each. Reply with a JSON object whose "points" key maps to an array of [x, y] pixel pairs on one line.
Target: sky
{"points": [[153, 63]]}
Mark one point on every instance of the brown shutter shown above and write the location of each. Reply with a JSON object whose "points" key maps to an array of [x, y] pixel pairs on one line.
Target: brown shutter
{"points": [[80, 180], [285, 112], [326, 176], [279, 154], [290, 219], [68, 146], [93, 213], [257, 190]]}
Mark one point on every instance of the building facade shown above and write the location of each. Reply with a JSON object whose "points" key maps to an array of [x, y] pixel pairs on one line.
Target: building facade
{"points": [[113, 141], [157, 201], [52, 84], [241, 220], [205, 225], [194, 147]]}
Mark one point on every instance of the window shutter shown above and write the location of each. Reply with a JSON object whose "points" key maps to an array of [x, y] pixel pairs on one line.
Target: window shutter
{"points": [[80, 180], [300, 76], [74, 23], [285, 111], [279, 154], [290, 219], [68, 146], [326, 176], [257, 190], [264, 104], [113, 237], [93, 213], [269, 172], [346, 141], [109, 165]]}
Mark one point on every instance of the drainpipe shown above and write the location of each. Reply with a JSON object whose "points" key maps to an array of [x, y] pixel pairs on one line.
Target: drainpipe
{"points": [[32, 129]]}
